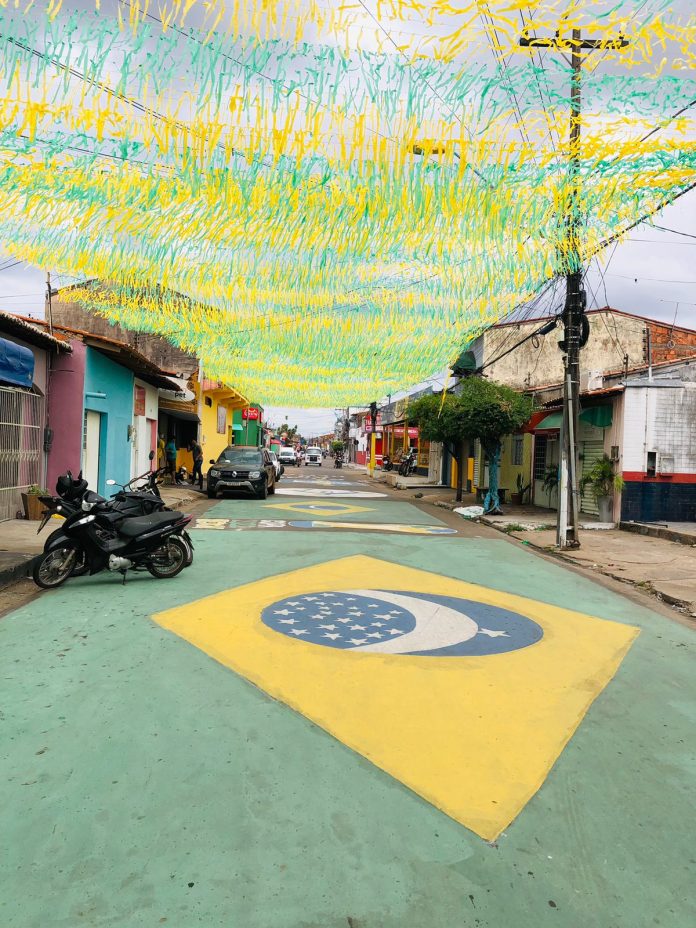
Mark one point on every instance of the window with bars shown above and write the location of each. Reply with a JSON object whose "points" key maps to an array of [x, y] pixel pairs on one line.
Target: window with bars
{"points": [[540, 449], [517, 450]]}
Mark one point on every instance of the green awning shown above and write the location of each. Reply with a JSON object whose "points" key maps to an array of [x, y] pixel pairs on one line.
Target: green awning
{"points": [[554, 420], [599, 416]]}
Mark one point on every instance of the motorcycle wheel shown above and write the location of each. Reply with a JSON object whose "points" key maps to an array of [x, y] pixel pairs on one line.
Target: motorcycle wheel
{"points": [[189, 552], [54, 567], [169, 560]]}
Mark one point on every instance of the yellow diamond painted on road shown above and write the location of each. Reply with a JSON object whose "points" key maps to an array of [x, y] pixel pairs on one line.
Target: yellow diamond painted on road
{"points": [[464, 694], [320, 508]]}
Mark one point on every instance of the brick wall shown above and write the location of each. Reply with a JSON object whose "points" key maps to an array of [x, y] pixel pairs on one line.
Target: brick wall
{"points": [[670, 343], [161, 352]]}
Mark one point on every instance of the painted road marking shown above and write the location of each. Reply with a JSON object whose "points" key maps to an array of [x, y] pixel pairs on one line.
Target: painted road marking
{"points": [[380, 527], [429, 626], [475, 735], [320, 509], [322, 491], [240, 524]]}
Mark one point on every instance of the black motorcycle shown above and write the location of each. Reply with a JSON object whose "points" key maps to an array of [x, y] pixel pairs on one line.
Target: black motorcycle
{"points": [[387, 463], [408, 464], [104, 540], [338, 461], [73, 495]]}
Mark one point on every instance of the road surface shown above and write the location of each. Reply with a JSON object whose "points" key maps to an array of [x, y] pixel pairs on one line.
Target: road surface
{"points": [[350, 711]]}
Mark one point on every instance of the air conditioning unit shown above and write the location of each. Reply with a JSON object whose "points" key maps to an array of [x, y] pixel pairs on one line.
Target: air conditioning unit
{"points": [[591, 380], [666, 465]]}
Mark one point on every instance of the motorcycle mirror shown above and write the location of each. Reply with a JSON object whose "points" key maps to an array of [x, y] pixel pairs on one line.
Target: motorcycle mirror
{"points": [[111, 483], [151, 455], [212, 461]]}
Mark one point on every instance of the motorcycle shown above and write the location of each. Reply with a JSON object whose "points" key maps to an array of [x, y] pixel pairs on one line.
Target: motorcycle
{"points": [[74, 496], [387, 463], [408, 464], [338, 461], [104, 540]]}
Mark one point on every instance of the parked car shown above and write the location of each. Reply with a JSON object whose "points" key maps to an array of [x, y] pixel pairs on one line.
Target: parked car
{"points": [[277, 465], [313, 456], [242, 468], [287, 457]]}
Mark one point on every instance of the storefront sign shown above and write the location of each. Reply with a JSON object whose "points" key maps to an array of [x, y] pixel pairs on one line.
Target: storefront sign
{"points": [[250, 413], [139, 402], [399, 431], [368, 422]]}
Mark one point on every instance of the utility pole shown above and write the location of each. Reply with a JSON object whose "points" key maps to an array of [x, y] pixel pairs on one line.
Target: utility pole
{"points": [[49, 307], [574, 319]]}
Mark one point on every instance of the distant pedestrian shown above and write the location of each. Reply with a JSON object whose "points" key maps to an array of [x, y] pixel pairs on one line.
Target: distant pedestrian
{"points": [[170, 452], [161, 454], [197, 454]]}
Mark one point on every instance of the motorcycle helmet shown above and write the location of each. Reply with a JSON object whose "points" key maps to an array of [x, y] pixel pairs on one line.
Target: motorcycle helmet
{"points": [[68, 488]]}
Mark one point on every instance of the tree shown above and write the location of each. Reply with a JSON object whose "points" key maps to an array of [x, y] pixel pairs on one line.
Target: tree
{"points": [[482, 409], [440, 419], [290, 430]]}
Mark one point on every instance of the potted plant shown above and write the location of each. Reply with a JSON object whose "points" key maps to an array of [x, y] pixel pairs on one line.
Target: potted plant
{"points": [[522, 489], [550, 480], [33, 507], [603, 481]]}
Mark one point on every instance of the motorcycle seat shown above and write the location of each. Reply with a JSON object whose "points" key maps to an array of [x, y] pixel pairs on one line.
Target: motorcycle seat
{"points": [[142, 524]]}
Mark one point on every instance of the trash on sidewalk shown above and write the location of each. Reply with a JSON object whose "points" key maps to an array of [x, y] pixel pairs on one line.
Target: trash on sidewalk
{"points": [[470, 512]]}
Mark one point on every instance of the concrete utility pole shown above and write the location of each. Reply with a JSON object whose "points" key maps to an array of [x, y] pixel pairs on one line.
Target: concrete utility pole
{"points": [[49, 306], [574, 320]]}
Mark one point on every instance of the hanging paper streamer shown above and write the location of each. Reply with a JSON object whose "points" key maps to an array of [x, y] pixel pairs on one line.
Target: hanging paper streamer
{"points": [[325, 201]]}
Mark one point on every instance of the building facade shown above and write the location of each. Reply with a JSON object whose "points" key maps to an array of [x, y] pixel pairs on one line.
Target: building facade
{"points": [[27, 357]]}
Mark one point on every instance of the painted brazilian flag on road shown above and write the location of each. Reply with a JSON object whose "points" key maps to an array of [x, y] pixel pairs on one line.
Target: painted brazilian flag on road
{"points": [[464, 694]]}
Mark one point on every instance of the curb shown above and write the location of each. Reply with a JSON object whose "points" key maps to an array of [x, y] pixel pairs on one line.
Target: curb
{"points": [[20, 570], [643, 587], [654, 531]]}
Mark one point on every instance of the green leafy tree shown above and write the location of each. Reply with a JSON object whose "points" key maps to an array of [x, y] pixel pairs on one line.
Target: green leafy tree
{"points": [[292, 432], [482, 409], [440, 419]]}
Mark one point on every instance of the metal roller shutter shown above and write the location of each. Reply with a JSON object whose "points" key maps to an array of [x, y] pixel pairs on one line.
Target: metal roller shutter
{"points": [[591, 451]]}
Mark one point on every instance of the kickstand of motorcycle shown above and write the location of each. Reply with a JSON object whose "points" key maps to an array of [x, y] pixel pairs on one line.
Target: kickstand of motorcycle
{"points": [[123, 574]]}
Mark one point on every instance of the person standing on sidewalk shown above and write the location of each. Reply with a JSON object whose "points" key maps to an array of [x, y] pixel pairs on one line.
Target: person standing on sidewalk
{"points": [[197, 453], [170, 452]]}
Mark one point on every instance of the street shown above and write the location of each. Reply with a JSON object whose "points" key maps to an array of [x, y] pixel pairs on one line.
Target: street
{"points": [[351, 710]]}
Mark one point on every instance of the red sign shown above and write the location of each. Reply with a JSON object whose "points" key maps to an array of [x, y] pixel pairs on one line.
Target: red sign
{"points": [[250, 413], [139, 402], [368, 422], [399, 431]]}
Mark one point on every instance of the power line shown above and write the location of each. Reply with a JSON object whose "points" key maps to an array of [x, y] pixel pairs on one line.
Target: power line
{"points": [[674, 232]]}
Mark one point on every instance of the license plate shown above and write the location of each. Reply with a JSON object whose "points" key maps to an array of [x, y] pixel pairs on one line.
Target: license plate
{"points": [[234, 483]]}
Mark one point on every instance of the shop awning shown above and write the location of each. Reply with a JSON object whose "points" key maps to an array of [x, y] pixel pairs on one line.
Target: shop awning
{"points": [[599, 416], [16, 364], [179, 414], [554, 420]]}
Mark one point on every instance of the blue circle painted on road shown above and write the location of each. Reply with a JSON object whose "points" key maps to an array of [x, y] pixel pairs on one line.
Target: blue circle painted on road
{"points": [[401, 622]]}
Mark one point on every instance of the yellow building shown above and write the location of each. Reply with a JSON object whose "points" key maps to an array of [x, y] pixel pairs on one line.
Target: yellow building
{"points": [[216, 404]]}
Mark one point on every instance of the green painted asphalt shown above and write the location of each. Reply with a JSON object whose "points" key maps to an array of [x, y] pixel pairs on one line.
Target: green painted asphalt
{"points": [[371, 510], [142, 784]]}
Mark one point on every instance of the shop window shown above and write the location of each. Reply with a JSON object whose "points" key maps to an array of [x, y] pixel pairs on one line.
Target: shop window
{"points": [[517, 450], [540, 450]]}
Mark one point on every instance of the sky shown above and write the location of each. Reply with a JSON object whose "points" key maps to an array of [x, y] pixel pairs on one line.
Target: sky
{"points": [[652, 272]]}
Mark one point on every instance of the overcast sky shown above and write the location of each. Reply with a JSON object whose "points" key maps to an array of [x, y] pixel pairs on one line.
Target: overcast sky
{"points": [[651, 273]]}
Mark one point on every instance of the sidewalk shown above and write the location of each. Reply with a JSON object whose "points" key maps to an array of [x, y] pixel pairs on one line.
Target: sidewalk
{"points": [[659, 560], [20, 544]]}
